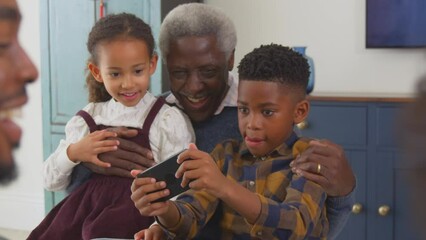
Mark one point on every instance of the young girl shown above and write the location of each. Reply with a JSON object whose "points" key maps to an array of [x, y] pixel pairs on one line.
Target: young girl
{"points": [[122, 61]]}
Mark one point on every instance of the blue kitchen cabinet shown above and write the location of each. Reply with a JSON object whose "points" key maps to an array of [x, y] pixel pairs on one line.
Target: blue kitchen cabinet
{"points": [[365, 128], [65, 26]]}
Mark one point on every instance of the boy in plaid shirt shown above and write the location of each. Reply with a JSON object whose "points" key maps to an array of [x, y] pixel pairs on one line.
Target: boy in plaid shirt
{"points": [[251, 181]]}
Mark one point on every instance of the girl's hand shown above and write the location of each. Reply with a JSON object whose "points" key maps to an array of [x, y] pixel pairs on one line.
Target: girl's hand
{"points": [[152, 233], [146, 190], [201, 172], [88, 148]]}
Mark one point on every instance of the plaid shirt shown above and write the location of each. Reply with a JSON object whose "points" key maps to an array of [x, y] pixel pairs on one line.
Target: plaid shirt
{"points": [[292, 207]]}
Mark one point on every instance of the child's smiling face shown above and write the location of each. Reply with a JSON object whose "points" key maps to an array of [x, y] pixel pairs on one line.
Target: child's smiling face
{"points": [[124, 67], [267, 112]]}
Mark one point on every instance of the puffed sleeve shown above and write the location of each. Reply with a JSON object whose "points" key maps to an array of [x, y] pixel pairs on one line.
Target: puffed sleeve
{"points": [[58, 167], [170, 133]]}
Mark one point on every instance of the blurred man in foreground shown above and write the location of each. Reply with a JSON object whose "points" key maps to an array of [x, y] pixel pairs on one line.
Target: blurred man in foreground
{"points": [[16, 71]]}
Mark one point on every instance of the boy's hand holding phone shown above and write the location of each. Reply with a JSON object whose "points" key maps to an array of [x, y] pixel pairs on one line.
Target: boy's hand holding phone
{"points": [[191, 168], [145, 191], [200, 172]]}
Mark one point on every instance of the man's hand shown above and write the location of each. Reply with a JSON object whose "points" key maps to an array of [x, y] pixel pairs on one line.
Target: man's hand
{"points": [[127, 157], [325, 163], [152, 233]]}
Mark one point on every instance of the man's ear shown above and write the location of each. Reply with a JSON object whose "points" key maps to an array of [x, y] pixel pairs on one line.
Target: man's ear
{"points": [[153, 64], [231, 61], [96, 73], [301, 111]]}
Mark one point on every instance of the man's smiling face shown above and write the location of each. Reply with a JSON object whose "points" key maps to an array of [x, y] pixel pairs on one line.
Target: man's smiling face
{"points": [[198, 72]]}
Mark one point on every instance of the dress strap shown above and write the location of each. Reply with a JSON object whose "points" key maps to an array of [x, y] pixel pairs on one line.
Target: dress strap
{"points": [[150, 118], [88, 119]]}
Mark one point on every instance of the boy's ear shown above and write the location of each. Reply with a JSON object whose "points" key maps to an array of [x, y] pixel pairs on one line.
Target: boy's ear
{"points": [[301, 111], [96, 73], [231, 61], [153, 64]]}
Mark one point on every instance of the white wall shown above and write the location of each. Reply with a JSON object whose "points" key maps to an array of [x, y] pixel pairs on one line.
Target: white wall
{"points": [[334, 32], [22, 202]]}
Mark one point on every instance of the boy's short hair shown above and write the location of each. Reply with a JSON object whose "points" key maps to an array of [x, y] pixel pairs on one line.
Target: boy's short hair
{"points": [[275, 63]]}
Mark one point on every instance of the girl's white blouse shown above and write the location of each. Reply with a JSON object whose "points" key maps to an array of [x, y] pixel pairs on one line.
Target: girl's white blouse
{"points": [[170, 132]]}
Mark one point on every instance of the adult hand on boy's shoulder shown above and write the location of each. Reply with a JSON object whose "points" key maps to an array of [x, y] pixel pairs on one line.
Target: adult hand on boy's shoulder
{"points": [[128, 156], [200, 171], [325, 163]]}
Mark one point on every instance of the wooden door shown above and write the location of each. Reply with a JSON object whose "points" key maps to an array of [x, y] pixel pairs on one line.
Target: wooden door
{"points": [[65, 26]]}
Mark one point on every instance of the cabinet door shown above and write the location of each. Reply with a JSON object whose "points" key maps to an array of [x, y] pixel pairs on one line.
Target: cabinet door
{"points": [[64, 31], [367, 133], [391, 189], [356, 227], [345, 124]]}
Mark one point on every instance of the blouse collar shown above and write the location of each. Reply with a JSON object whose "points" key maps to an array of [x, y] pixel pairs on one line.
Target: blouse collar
{"points": [[117, 106]]}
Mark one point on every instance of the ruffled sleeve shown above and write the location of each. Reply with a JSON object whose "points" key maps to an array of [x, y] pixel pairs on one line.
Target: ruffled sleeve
{"points": [[170, 133], [58, 167]]}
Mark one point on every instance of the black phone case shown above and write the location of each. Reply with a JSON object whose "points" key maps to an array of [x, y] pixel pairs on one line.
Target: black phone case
{"points": [[165, 171]]}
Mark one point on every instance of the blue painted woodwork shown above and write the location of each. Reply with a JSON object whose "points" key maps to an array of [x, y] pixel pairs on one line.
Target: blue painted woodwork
{"points": [[366, 130], [311, 81], [65, 26]]}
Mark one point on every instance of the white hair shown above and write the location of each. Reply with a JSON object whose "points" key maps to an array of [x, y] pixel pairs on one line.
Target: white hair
{"points": [[197, 19]]}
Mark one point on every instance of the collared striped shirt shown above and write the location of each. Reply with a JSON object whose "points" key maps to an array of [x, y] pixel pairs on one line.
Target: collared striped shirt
{"points": [[291, 206]]}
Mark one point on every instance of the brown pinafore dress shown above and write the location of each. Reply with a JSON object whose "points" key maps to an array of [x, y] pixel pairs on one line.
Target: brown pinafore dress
{"points": [[101, 207]]}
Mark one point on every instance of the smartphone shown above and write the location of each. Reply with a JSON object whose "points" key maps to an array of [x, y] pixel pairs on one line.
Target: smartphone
{"points": [[165, 171]]}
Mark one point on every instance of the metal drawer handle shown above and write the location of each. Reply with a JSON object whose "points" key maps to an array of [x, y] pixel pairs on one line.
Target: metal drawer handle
{"points": [[383, 210], [357, 208]]}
